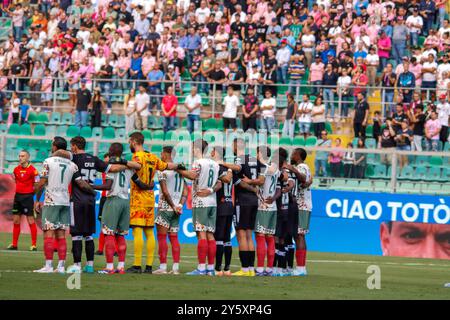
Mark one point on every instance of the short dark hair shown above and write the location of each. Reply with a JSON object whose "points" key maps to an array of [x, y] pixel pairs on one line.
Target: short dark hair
{"points": [[60, 143], [168, 149], [283, 152], [78, 141], [265, 151], [106, 155], [137, 137], [201, 143], [301, 152], [116, 149]]}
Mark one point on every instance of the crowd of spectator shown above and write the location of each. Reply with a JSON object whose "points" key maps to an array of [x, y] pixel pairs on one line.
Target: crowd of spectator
{"points": [[238, 51]]}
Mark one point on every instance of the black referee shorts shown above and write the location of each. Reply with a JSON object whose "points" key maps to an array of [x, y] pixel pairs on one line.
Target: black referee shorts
{"points": [[282, 224], [292, 229], [24, 204], [245, 217], [223, 228], [82, 218], [100, 209]]}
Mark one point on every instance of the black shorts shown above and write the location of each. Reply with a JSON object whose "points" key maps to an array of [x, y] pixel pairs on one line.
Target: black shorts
{"points": [[100, 208], [223, 228], [245, 217], [24, 204], [82, 218], [229, 123], [292, 220], [282, 224]]}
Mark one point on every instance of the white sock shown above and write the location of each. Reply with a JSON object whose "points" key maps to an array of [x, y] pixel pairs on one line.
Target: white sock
{"points": [[78, 264], [110, 266], [90, 263], [176, 266], [201, 267], [259, 269], [275, 270], [300, 269], [210, 267], [49, 263], [251, 268], [244, 269], [269, 269], [61, 263], [163, 266], [121, 265]]}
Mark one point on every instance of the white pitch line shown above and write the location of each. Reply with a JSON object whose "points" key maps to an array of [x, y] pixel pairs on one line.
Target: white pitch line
{"points": [[408, 264]]}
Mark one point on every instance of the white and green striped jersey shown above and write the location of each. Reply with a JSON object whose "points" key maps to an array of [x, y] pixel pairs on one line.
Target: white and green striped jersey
{"points": [[121, 183], [268, 189], [304, 199], [59, 172], [208, 174], [175, 185]]}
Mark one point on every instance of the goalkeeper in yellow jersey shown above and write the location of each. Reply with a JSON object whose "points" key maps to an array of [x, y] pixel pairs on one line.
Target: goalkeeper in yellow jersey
{"points": [[142, 202]]}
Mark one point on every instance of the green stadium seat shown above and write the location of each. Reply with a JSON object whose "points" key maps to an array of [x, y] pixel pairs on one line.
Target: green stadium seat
{"points": [[24, 144], [328, 127], [3, 128], [371, 143], [433, 188], [41, 155], [373, 158], [121, 133], [435, 161], [109, 133], [39, 130], [42, 118], [86, 132], [14, 129], [420, 173], [273, 139], [352, 185], [72, 131], [104, 120], [90, 147], [25, 130], [152, 122], [50, 130], [45, 145], [406, 173], [434, 174], [156, 148], [113, 120], [55, 118], [97, 132], [421, 160], [285, 141], [379, 185], [121, 121], [210, 124], [298, 141], [12, 154], [369, 131], [196, 135], [67, 118], [407, 187], [61, 130], [103, 147], [365, 185], [32, 117], [147, 135], [445, 175], [311, 141], [169, 136], [379, 172], [158, 135], [369, 171], [214, 136]]}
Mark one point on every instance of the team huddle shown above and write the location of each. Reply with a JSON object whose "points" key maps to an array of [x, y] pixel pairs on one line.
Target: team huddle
{"points": [[267, 197]]}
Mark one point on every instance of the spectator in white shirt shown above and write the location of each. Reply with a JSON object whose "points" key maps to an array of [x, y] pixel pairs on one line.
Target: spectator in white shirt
{"points": [[202, 13], [142, 104], [443, 111], [414, 24], [304, 115], [268, 111], [429, 75], [193, 105], [230, 106]]}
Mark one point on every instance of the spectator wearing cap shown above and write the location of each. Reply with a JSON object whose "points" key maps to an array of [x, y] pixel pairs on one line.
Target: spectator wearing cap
{"points": [[283, 57], [317, 70], [82, 102], [384, 47], [155, 78], [415, 25], [372, 62], [400, 34], [327, 52], [443, 111], [433, 128]]}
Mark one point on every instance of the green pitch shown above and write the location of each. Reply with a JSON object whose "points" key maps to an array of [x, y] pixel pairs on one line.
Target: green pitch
{"points": [[331, 276]]}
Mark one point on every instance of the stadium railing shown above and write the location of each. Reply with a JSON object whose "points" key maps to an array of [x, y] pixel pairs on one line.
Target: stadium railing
{"points": [[385, 170], [374, 94]]}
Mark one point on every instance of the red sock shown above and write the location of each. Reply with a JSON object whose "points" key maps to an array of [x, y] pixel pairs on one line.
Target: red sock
{"points": [[48, 248], [109, 248], [33, 231], [202, 250], [116, 246], [162, 247], [16, 233], [55, 244], [260, 250], [62, 249], [270, 251], [211, 251], [121, 247], [300, 256], [101, 242], [175, 247]]}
